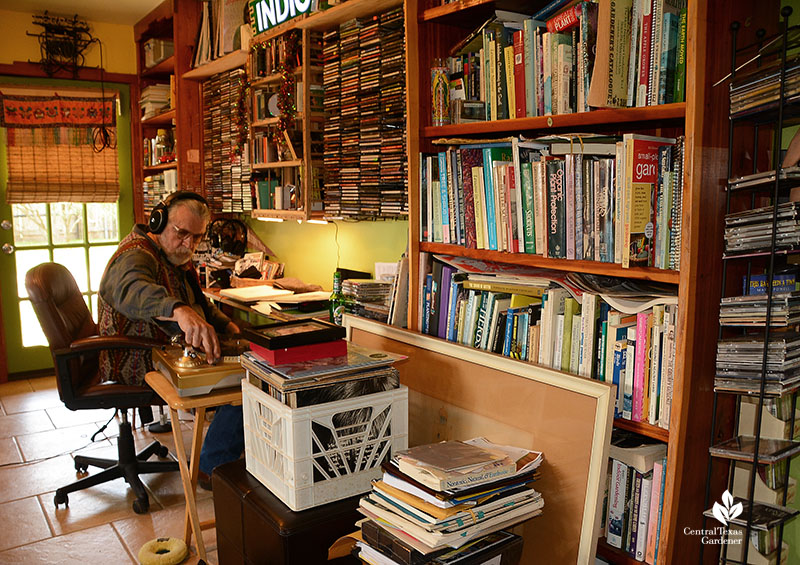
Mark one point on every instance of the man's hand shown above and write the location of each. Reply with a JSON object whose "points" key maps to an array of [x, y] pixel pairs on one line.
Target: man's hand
{"points": [[198, 333]]}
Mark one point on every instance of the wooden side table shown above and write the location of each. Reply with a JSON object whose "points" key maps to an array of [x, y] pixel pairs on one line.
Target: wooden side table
{"points": [[166, 390]]}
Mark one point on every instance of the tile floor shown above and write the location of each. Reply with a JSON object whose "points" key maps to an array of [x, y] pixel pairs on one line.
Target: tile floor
{"points": [[38, 438]]}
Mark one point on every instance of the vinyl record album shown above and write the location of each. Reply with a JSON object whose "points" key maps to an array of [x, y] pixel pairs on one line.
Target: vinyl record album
{"points": [[272, 105]]}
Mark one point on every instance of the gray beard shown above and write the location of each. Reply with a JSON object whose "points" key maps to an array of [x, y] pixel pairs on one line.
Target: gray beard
{"points": [[179, 258]]}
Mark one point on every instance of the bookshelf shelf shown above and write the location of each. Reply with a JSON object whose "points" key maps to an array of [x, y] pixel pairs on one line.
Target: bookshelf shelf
{"points": [[276, 165], [332, 17], [165, 67], [227, 62], [610, 269], [276, 77], [605, 118], [614, 555], [160, 168], [643, 428], [280, 214], [162, 119]]}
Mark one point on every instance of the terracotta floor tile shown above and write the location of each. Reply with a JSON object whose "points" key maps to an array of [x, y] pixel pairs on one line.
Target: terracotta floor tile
{"points": [[96, 545], [55, 442], [44, 383], [24, 423], [29, 401], [22, 522], [139, 529], [96, 505], [63, 417], [9, 452], [15, 387], [22, 481]]}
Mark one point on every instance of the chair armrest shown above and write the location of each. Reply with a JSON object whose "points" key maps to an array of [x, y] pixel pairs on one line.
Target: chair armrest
{"points": [[97, 343]]}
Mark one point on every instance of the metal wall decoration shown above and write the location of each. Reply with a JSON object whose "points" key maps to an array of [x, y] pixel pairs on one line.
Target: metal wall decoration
{"points": [[62, 42]]}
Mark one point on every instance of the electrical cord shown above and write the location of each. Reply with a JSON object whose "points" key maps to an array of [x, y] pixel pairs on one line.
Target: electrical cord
{"points": [[102, 137]]}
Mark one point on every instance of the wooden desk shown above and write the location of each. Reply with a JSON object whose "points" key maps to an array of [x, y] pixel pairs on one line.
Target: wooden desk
{"points": [[166, 390]]}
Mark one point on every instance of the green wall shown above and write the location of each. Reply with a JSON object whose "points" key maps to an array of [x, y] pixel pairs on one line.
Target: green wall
{"points": [[311, 252]]}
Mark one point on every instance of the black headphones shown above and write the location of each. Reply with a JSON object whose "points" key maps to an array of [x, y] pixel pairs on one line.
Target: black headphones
{"points": [[229, 235], [158, 217]]}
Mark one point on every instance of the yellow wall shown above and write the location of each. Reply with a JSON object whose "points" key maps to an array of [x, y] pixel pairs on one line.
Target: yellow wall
{"points": [[119, 50], [310, 251]]}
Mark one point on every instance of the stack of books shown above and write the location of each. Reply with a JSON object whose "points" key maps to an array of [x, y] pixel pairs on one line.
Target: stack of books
{"points": [[307, 362], [154, 100], [437, 497]]}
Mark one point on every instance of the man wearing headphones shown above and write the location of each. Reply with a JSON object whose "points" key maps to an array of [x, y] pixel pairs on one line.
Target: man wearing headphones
{"points": [[151, 289]]}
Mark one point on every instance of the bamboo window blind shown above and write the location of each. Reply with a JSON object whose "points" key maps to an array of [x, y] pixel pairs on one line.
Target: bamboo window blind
{"points": [[50, 148]]}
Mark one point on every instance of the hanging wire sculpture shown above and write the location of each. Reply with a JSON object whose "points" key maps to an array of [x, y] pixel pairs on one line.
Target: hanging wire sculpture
{"points": [[62, 42]]}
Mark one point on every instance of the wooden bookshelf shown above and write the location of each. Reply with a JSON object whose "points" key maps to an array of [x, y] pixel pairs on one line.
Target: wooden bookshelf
{"points": [[165, 67], [332, 17], [232, 60], [702, 119], [614, 555], [155, 169], [162, 119]]}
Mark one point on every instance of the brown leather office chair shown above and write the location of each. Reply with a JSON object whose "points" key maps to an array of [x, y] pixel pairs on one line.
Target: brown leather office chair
{"points": [[75, 346]]}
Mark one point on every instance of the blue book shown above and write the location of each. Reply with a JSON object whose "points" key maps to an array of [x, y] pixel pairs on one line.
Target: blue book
{"points": [[426, 318], [452, 315], [444, 303], [780, 283], [550, 9], [669, 49], [481, 327], [443, 194], [620, 360], [492, 153]]}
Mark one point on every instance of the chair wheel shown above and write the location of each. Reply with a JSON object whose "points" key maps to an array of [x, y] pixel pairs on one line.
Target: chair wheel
{"points": [[141, 505], [81, 468], [61, 498], [163, 451]]}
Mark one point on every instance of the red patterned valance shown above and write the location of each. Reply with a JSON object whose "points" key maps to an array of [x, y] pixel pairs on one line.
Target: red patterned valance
{"points": [[55, 111]]}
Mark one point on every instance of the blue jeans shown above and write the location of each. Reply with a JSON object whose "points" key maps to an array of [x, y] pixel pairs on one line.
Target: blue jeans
{"points": [[224, 440]]}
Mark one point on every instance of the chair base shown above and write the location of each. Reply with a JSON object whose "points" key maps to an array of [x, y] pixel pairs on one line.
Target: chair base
{"points": [[129, 466]]}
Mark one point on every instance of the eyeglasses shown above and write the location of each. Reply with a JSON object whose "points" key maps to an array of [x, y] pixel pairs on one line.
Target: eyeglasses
{"points": [[184, 235]]}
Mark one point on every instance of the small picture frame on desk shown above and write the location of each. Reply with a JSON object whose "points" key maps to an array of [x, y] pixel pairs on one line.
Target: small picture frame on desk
{"points": [[293, 333]]}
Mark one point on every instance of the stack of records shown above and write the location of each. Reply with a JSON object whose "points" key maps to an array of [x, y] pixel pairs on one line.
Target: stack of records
{"points": [[751, 231], [368, 298], [739, 363], [297, 384], [751, 310], [437, 497], [393, 179], [226, 165]]}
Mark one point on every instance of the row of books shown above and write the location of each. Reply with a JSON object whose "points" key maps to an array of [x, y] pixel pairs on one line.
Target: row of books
{"points": [[635, 495], [611, 201], [446, 525], [225, 149], [522, 67], [268, 57], [580, 333]]}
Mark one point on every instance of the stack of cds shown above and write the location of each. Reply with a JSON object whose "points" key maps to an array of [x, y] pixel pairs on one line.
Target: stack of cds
{"points": [[368, 298], [350, 151], [332, 139], [761, 90], [370, 117], [394, 181], [751, 231], [751, 310], [227, 171], [739, 363]]}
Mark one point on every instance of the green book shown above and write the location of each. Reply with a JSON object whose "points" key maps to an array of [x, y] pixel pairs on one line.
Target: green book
{"points": [[680, 61]]}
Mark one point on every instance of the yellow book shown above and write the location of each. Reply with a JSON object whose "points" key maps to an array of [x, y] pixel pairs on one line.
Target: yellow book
{"points": [[508, 52]]}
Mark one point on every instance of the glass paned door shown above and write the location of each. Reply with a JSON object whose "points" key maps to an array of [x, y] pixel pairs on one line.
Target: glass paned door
{"points": [[82, 237]]}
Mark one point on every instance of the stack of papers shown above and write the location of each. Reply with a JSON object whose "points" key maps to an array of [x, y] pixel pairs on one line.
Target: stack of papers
{"points": [[254, 293]]}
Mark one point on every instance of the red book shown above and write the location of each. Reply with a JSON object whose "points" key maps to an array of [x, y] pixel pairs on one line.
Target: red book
{"points": [[519, 73], [335, 348], [644, 54], [565, 20]]}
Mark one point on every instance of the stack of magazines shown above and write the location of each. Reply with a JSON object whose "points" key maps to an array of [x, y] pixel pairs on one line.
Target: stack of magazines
{"points": [[751, 231], [440, 502], [739, 363]]}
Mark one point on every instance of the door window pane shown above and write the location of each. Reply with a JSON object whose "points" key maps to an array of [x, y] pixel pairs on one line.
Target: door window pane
{"points": [[67, 222], [30, 224], [32, 333], [25, 261], [74, 259], [98, 259], [103, 221]]}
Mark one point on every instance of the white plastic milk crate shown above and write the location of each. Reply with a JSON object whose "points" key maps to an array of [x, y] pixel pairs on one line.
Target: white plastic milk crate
{"points": [[325, 452]]}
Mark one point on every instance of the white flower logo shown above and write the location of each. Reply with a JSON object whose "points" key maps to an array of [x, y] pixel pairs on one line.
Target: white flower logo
{"points": [[727, 512]]}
